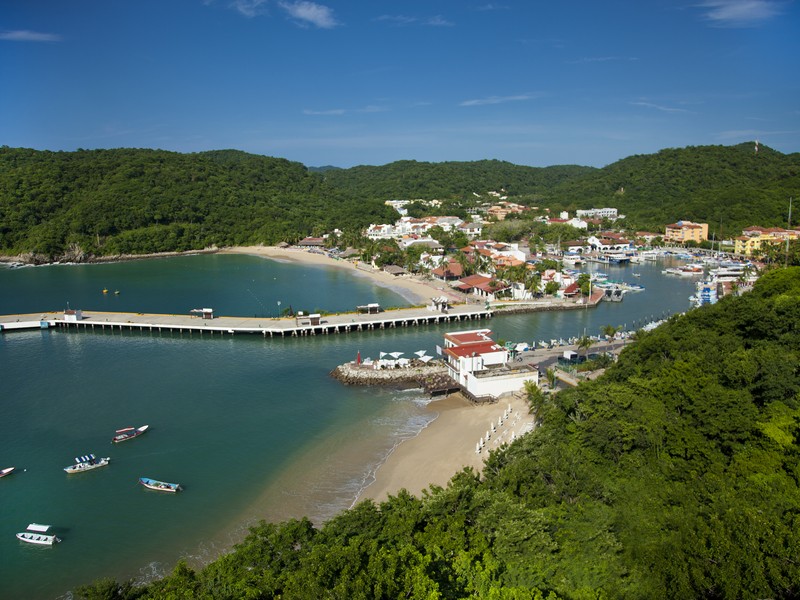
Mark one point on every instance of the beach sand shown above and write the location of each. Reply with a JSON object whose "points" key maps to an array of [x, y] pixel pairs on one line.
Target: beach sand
{"points": [[412, 288], [447, 445]]}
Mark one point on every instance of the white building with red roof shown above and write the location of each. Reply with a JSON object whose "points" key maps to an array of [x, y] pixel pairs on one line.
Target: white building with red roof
{"points": [[482, 367]]}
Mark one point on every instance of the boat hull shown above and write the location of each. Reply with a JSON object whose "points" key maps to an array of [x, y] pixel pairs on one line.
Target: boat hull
{"points": [[82, 467], [38, 538], [123, 435], [160, 486]]}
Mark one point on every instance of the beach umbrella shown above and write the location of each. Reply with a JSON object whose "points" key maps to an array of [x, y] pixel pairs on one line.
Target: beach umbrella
{"points": [[425, 358], [382, 354], [420, 353], [396, 354]]}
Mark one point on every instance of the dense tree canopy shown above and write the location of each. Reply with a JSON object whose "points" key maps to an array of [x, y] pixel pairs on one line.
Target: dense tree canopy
{"points": [[138, 201], [673, 476], [107, 202]]}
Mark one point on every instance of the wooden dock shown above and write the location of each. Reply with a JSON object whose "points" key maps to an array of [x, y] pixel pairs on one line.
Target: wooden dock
{"points": [[284, 327]]}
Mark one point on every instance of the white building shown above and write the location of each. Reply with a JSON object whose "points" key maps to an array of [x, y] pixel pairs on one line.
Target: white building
{"points": [[599, 213], [481, 367]]}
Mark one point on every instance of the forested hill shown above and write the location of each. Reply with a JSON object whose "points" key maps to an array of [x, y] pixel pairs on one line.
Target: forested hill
{"points": [[108, 202], [732, 185], [111, 202], [674, 476], [409, 179]]}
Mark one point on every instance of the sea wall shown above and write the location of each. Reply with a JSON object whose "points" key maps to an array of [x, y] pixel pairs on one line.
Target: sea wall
{"points": [[409, 377]]}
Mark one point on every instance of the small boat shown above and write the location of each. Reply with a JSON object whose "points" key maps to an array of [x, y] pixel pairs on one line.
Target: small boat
{"points": [[7, 471], [38, 534], [128, 433], [161, 486], [636, 274], [105, 290], [87, 463]]}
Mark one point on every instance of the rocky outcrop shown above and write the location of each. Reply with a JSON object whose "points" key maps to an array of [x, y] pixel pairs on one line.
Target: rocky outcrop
{"points": [[416, 375]]}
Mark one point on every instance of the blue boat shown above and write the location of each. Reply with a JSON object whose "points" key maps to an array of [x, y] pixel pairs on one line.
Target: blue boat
{"points": [[160, 486]]}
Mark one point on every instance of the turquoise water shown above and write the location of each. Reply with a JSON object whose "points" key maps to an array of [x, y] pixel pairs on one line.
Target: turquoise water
{"points": [[251, 427]]}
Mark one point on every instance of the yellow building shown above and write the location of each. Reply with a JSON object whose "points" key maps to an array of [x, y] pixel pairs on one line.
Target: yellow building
{"points": [[686, 231], [755, 239]]}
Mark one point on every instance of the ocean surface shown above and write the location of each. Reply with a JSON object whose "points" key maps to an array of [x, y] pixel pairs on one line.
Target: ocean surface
{"points": [[252, 428]]}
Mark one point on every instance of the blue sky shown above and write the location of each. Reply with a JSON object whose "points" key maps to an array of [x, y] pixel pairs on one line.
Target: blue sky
{"points": [[373, 81]]}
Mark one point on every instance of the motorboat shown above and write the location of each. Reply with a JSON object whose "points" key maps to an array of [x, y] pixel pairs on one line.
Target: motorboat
{"points": [[128, 433], [38, 534], [7, 471], [87, 463]]}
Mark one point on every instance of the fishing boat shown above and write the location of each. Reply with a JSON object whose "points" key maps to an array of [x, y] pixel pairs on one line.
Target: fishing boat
{"points": [[161, 486], [128, 433], [87, 463], [7, 471], [38, 534]]}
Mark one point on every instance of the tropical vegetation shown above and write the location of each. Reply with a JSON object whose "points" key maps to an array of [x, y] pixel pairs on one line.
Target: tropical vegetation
{"points": [[134, 201], [674, 475]]}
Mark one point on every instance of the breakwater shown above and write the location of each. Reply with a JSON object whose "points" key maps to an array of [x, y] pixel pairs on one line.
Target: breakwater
{"points": [[431, 376]]}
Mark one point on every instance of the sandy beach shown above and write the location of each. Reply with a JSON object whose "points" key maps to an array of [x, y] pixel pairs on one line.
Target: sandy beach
{"points": [[447, 444], [411, 288]]}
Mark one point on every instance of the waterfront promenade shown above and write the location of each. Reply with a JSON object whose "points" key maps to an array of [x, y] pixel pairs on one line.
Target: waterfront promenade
{"points": [[306, 325]]}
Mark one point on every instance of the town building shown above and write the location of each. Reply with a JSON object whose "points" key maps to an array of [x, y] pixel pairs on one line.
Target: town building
{"points": [[754, 240], [686, 231], [483, 369]]}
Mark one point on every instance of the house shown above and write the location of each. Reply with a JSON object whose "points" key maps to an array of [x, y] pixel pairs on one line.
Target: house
{"points": [[448, 271], [481, 286], [311, 242], [482, 367]]}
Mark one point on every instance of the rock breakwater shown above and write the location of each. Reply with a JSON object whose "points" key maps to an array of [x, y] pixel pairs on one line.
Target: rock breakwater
{"points": [[426, 375]]}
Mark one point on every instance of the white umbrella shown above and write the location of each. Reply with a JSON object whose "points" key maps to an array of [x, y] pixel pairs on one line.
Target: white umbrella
{"points": [[425, 358], [382, 354], [396, 354], [420, 353]]}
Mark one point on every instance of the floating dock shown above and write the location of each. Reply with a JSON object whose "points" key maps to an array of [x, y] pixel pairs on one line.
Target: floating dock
{"points": [[284, 327]]}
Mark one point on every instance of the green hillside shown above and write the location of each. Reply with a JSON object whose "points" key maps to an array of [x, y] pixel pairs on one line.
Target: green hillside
{"points": [[674, 476], [109, 202], [732, 185]]}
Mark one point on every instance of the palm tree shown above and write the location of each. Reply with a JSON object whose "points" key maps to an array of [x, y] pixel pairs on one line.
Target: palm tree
{"points": [[584, 343]]}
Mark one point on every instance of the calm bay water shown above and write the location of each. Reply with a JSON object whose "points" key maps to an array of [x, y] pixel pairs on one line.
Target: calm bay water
{"points": [[252, 428]]}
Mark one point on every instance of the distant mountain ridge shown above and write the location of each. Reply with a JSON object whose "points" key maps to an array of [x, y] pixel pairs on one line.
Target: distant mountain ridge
{"points": [[108, 202]]}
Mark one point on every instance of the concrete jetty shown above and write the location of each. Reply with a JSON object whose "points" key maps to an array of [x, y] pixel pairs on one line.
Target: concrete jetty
{"points": [[307, 325]]}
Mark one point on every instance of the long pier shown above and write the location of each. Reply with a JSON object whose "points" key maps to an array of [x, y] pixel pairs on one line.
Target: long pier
{"points": [[267, 327]]}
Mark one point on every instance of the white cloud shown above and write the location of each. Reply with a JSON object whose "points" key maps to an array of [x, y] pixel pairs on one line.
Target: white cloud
{"points": [[342, 111], [249, 8], [310, 13], [333, 111], [403, 20], [498, 100], [668, 109], [438, 21], [399, 20], [739, 13], [752, 134], [594, 59], [29, 36]]}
